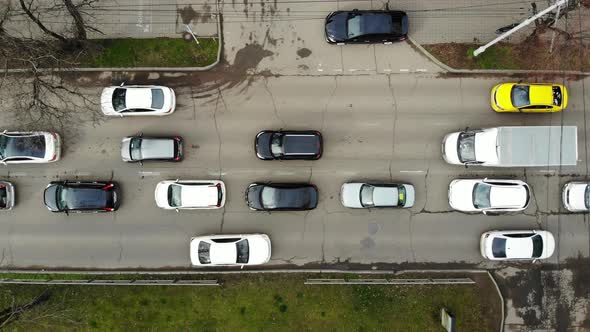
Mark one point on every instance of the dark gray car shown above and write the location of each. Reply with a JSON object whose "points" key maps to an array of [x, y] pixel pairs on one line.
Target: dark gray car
{"points": [[366, 26], [289, 145], [282, 196]]}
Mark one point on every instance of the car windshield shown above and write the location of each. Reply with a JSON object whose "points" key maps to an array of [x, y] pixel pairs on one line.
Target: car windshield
{"points": [[276, 145], [135, 148], [587, 197], [174, 195], [520, 96], [204, 257], [268, 198], [243, 251], [3, 196], [61, 196], [499, 248], [367, 195], [537, 246], [119, 99], [401, 195], [157, 98], [481, 196], [466, 147]]}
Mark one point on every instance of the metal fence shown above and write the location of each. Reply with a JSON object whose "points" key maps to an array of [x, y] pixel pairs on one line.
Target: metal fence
{"points": [[102, 282], [446, 281]]}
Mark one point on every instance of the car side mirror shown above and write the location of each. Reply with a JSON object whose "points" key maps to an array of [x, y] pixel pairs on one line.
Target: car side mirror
{"points": [[520, 81], [140, 163], [485, 212], [177, 210], [67, 212], [120, 115], [534, 261], [123, 83], [242, 267], [176, 180], [140, 134], [4, 131]]}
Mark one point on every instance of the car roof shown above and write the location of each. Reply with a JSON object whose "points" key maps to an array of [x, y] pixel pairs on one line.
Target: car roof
{"points": [[86, 198], [199, 195], [507, 196], [519, 247], [385, 196], [301, 143], [138, 97], [156, 148], [541, 94], [223, 253]]}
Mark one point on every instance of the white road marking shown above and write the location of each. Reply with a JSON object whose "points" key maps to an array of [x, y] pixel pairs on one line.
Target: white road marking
{"points": [[412, 171], [338, 69], [421, 70], [147, 173], [404, 70], [387, 70], [17, 173]]}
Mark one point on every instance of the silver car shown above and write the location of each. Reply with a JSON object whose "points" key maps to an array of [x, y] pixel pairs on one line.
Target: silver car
{"points": [[358, 195], [6, 195], [140, 148]]}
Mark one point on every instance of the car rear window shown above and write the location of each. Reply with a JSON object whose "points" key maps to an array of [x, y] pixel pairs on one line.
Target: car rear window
{"points": [[157, 98], [204, 250], [119, 99], [135, 148], [481, 196], [243, 251], [537, 246], [499, 248], [3, 196]]}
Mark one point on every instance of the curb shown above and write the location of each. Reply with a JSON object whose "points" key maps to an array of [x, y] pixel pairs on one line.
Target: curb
{"points": [[150, 69], [491, 71]]}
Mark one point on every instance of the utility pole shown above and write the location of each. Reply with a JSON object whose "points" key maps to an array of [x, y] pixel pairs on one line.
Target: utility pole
{"points": [[526, 22]]}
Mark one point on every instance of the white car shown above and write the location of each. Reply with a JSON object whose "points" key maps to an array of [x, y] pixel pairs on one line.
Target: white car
{"points": [[29, 147], [137, 100], [489, 195], [517, 245], [230, 250], [6, 195], [377, 195], [190, 194], [576, 196]]}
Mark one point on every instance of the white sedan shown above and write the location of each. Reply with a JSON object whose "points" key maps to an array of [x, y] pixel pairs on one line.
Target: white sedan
{"points": [[35, 147], [190, 194], [517, 245], [137, 100], [230, 250], [377, 195], [576, 196], [487, 195]]}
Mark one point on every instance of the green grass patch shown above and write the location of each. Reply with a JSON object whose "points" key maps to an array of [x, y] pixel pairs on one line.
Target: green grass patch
{"points": [[261, 302], [495, 57], [152, 52]]}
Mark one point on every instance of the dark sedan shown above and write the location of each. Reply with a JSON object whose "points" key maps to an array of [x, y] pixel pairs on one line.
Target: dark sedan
{"points": [[366, 26], [282, 196], [78, 196], [290, 145]]}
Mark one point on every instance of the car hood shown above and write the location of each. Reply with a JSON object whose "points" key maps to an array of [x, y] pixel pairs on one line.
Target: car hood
{"points": [[503, 98], [350, 195], [106, 101], [263, 145], [161, 194], [336, 27], [410, 195], [49, 197], [548, 244], [125, 145], [260, 249], [461, 195], [450, 149], [575, 196], [253, 197]]}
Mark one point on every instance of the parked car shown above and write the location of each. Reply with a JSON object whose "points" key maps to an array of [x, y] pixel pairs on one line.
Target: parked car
{"points": [[282, 196], [142, 148], [517, 245], [288, 145], [137, 100], [576, 196], [19, 147], [230, 250], [6, 195], [65, 196], [489, 195], [190, 194], [366, 26], [529, 97], [358, 195]]}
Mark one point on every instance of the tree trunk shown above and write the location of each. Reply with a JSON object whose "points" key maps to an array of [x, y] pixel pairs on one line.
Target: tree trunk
{"points": [[78, 21]]}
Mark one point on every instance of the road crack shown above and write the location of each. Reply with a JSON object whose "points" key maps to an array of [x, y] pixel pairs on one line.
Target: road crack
{"points": [[274, 104], [219, 97], [332, 93]]}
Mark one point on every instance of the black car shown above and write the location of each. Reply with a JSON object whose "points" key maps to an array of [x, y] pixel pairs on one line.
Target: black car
{"points": [[366, 26], [282, 196], [64, 196], [290, 145]]}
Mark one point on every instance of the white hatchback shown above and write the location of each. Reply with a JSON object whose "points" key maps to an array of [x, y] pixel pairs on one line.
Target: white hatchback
{"points": [[576, 196], [517, 245], [137, 100], [488, 196], [230, 250], [190, 194]]}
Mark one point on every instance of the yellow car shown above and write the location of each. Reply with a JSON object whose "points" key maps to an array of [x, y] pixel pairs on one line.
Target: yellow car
{"points": [[529, 97]]}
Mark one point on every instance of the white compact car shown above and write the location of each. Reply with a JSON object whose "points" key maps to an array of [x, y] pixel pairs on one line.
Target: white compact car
{"points": [[488, 195], [377, 195], [190, 194], [29, 147], [230, 250], [576, 196], [517, 245], [137, 100]]}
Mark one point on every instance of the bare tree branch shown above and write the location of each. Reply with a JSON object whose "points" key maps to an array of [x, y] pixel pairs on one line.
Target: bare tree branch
{"points": [[35, 19]]}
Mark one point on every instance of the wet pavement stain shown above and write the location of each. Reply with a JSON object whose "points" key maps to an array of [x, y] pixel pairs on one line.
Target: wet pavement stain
{"points": [[304, 52], [188, 14]]}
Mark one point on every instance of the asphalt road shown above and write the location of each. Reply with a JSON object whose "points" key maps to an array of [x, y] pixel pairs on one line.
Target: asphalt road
{"points": [[375, 128]]}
